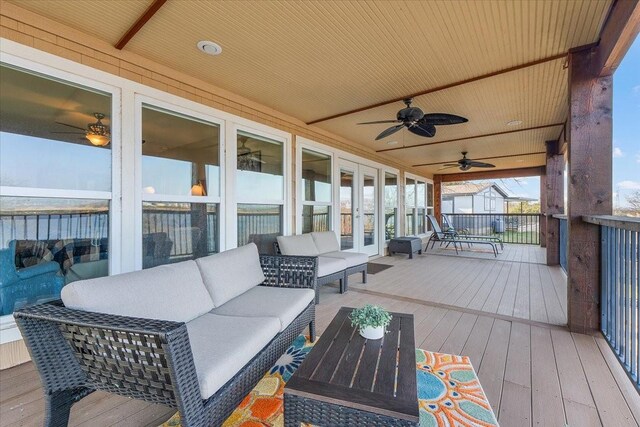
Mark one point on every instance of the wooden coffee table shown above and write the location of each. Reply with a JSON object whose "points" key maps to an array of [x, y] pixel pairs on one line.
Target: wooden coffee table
{"points": [[347, 380]]}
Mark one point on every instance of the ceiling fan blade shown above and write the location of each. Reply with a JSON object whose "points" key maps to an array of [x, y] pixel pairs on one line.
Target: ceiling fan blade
{"points": [[420, 129], [72, 133], [71, 126], [448, 167], [474, 164], [442, 119], [389, 131], [380, 121], [453, 165]]}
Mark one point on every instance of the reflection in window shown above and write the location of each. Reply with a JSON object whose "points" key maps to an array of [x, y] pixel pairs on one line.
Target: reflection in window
{"points": [[180, 155], [316, 177], [390, 205], [315, 218], [260, 164], [316, 191], [346, 210], [46, 243], [260, 224], [173, 232], [410, 204], [44, 130], [54, 135]]}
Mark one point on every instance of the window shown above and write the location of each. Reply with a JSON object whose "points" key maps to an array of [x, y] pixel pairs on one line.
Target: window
{"points": [[346, 209], [490, 200], [180, 187], [430, 210], [390, 205], [260, 190], [55, 186], [410, 205], [316, 191], [421, 208]]}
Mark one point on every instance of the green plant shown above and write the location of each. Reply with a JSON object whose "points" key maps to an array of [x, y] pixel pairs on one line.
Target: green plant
{"points": [[370, 315]]}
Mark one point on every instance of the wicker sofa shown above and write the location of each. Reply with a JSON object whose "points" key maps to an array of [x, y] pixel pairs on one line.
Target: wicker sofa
{"points": [[196, 336], [333, 264]]}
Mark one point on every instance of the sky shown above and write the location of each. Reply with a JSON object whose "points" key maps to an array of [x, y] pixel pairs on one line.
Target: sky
{"points": [[626, 126], [626, 135]]}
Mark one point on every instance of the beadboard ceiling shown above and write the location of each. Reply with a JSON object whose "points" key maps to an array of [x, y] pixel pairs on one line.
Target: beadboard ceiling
{"points": [[314, 59]]}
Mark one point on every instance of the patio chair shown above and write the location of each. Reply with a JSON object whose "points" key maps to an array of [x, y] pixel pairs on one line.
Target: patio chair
{"points": [[445, 237], [464, 232]]}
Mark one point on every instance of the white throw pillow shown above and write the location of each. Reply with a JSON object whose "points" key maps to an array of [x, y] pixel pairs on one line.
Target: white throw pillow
{"points": [[231, 273], [326, 241], [167, 292], [302, 245]]}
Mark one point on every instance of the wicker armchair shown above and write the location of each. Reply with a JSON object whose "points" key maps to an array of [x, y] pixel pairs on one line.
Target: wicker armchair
{"points": [[78, 352]]}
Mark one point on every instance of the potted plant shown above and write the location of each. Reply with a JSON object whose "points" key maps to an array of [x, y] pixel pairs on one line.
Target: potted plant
{"points": [[371, 320]]}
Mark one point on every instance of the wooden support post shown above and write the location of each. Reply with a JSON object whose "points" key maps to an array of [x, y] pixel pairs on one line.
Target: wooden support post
{"points": [[543, 209], [590, 184], [437, 198], [554, 200]]}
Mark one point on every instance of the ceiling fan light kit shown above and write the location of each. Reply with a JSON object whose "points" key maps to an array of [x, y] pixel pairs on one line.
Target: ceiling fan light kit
{"points": [[98, 132], [418, 123], [464, 164]]}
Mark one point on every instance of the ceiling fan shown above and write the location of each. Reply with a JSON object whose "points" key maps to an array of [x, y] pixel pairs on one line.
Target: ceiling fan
{"points": [[247, 159], [97, 133], [465, 164], [417, 122]]}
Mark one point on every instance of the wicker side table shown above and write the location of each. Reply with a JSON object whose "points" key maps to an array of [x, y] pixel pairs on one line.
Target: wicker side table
{"points": [[405, 245], [347, 380]]}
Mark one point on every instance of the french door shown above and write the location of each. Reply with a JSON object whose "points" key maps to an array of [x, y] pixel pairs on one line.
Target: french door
{"points": [[358, 207]]}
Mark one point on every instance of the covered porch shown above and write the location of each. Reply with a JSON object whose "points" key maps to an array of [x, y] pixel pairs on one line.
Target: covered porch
{"points": [[508, 315]]}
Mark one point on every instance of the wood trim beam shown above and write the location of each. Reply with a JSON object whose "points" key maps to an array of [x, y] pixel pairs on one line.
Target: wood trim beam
{"points": [[618, 33], [589, 185], [553, 195], [495, 174], [437, 198], [482, 158], [137, 26], [472, 137], [443, 87]]}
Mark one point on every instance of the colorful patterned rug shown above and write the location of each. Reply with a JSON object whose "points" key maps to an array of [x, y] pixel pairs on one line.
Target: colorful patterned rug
{"points": [[449, 393]]}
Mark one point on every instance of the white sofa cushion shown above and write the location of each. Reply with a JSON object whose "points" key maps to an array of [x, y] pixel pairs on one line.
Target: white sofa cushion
{"points": [[352, 258], [167, 292], [326, 241], [222, 345], [266, 301], [328, 265], [301, 244], [231, 273]]}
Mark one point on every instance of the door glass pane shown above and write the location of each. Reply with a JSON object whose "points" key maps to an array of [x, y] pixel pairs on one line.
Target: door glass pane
{"points": [[421, 206], [346, 210], [316, 177], [45, 128], [180, 155], [173, 232], [410, 204], [259, 224], [315, 218], [390, 205], [369, 210], [260, 168], [46, 243]]}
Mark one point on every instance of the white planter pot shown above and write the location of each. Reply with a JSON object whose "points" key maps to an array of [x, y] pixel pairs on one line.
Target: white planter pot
{"points": [[372, 333]]}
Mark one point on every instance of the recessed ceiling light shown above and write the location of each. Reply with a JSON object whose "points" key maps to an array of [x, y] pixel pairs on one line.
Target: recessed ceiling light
{"points": [[392, 142], [209, 47], [514, 123]]}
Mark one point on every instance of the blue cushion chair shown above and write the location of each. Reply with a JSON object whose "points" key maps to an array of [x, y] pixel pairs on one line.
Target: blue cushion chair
{"points": [[19, 287]]}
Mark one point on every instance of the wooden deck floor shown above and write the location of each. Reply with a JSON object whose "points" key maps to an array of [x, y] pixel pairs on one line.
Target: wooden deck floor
{"points": [[534, 373]]}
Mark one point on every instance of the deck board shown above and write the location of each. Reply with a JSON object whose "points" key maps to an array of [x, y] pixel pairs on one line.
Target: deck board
{"points": [[534, 373]]}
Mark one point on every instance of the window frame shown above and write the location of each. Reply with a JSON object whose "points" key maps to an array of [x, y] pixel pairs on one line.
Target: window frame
{"points": [[187, 113], [417, 179], [232, 198], [383, 174], [10, 332], [300, 146]]}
